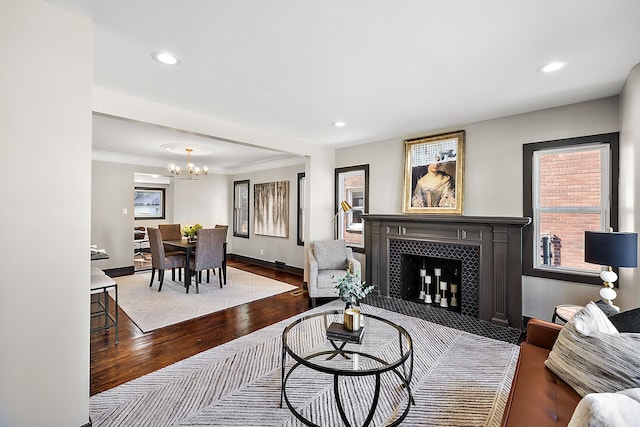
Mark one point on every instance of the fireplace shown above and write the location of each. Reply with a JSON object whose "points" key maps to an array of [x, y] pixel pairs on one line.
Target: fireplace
{"points": [[486, 250], [456, 264]]}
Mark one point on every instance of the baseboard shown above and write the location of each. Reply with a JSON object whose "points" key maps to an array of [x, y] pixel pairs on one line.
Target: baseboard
{"points": [[119, 271], [276, 265]]}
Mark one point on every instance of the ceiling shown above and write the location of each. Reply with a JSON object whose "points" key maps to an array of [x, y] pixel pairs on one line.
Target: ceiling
{"points": [[386, 68]]}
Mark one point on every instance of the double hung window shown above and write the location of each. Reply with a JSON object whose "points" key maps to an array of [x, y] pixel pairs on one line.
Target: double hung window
{"points": [[570, 186], [241, 208], [352, 187]]}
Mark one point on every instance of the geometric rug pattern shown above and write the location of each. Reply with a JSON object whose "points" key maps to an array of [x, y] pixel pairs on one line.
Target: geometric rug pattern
{"points": [[459, 379], [150, 309]]}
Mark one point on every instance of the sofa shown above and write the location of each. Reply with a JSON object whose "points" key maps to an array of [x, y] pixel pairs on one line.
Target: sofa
{"points": [[538, 397], [583, 373]]}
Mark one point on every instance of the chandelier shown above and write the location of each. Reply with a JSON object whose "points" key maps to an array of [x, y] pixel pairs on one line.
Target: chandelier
{"points": [[191, 169]]}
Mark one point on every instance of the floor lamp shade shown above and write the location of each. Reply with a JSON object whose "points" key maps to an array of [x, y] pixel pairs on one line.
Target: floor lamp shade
{"points": [[615, 249]]}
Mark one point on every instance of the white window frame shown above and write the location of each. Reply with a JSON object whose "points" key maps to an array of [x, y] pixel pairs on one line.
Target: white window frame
{"points": [[530, 250], [351, 226], [602, 209]]}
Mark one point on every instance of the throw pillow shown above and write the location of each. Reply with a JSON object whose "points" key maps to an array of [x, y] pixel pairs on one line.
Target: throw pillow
{"points": [[592, 357], [606, 308], [619, 409], [331, 255], [627, 321]]}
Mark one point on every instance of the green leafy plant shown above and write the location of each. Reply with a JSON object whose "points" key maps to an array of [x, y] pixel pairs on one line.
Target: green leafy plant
{"points": [[350, 290], [190, 230]]}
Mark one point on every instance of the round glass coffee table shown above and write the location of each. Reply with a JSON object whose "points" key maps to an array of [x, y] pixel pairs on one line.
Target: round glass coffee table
{"points": [[379, 365]]}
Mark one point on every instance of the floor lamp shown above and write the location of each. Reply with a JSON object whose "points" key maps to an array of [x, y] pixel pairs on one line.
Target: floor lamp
{"points": [[344, 207], [610, 249]]}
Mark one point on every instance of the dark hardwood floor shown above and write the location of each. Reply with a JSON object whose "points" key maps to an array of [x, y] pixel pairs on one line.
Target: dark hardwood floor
{"points": [[138, 354]]}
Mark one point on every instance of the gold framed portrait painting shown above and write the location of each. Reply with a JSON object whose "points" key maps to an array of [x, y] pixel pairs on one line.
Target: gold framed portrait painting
{"points": [[433, 174]]}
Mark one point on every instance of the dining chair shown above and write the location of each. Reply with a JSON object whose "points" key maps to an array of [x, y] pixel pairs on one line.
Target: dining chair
{"points": [[226, 231], [160, 260], [209, 254], [170, 231]]}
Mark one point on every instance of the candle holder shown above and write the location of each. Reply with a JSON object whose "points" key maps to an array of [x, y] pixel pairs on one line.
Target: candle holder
{"points": [[427, 297], [437, 272], [443, 299], [454, 298], [423, 273]]}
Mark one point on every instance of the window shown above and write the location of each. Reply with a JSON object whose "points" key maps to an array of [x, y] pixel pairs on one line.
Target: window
{"points": [[148, 203], [241, 208], [570, 186], [301, 212], [352, 186]]}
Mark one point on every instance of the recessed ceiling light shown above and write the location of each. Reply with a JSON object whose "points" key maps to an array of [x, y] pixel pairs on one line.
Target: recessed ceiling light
{"points": [[166, 58], [552, 66], [339, 124]]}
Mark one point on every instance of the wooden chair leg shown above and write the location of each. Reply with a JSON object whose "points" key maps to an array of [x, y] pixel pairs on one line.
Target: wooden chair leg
{"points": [[219, 276], [214, 272], [173, 274]]}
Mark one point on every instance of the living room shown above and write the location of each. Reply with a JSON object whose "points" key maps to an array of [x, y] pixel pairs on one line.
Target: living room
{"points": [[493, 167]]}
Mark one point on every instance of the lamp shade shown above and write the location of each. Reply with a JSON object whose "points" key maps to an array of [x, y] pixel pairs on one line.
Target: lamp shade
{"points": [[346, 207], [615, 249]]}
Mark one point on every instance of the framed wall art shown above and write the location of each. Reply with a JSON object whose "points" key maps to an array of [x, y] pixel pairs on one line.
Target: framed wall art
{"points": [[433, 174], [271, 209], [148, 203]]}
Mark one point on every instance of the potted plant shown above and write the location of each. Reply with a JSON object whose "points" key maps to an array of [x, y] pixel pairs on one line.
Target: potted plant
{"points": [[190, 231], [350, 290]]}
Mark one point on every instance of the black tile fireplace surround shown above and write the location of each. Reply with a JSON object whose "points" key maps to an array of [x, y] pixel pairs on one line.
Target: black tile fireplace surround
{"points": [[490, 249]]}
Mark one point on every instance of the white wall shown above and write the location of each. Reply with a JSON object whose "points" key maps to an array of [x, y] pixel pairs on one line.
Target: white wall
{"points": [[493, 176], [629, 292], [205, 202], [273, 248], [45, 170]]}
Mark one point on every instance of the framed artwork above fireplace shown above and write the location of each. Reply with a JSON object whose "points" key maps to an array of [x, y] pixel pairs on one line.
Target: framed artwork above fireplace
{"points": [[433, 174]]}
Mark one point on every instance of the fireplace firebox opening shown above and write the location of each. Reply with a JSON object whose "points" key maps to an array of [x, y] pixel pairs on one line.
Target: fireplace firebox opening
{"points": [[440, 272]]}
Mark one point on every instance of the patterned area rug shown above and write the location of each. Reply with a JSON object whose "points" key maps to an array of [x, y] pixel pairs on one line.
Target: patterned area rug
{"points": [[459, 379], [150, 309]]}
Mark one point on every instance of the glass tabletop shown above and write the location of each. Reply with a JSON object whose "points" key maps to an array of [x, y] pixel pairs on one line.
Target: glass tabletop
{"points": [[383, 346]]}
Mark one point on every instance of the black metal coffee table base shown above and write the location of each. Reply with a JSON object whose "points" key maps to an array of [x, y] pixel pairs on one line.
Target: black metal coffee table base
{"points": [[397, 368]]}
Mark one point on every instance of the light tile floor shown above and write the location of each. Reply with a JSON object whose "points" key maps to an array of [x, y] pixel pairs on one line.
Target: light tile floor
{"points": [[150, 309]]}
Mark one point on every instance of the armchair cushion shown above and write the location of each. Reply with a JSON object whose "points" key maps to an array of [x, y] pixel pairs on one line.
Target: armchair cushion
{"points": [[330, 255], [328, 279]]}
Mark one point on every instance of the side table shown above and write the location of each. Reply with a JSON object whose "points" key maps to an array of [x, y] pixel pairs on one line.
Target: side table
{"points": [[565, 312]]}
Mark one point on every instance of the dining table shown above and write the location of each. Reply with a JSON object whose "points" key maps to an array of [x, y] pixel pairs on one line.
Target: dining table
{"points": [[189, 247]]}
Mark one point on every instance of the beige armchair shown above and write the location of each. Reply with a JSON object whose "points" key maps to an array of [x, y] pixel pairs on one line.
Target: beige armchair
{"points": [[328, 261]]}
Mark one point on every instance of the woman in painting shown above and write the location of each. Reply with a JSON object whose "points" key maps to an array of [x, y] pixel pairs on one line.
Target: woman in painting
{"points": [[435, 189]]}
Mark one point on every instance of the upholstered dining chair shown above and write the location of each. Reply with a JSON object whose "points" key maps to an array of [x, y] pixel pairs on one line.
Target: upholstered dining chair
{"points": [[209, 254], [226, 230], [160, 260], [328, 261], [170, 231]]}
